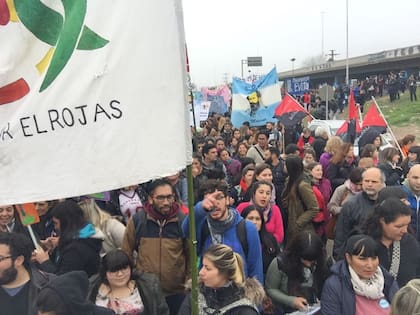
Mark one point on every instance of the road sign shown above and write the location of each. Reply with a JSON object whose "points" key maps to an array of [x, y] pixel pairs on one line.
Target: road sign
{"points": [[254, 61], [326, 93]]}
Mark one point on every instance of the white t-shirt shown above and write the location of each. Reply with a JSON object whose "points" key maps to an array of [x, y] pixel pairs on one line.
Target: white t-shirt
{"points": [[130, 203]]}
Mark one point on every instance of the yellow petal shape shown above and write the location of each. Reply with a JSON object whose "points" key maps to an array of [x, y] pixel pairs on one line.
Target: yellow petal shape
{"points": [[44, 63], [12, 11]]}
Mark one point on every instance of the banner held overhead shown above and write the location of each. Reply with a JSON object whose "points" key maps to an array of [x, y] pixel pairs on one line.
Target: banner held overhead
{"points": [[81, 100]]}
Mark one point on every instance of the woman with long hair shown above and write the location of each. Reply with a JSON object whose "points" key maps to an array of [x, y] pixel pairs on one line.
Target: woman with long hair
{"points": [[45, 227], [79, 243], [341, 165], [295, 278], [240, 192], [223, 288], [119, 288], [269, 245], [241, 151], [370, 151], [412, 158], [399, 252], [358, 284], [332, 148], [299, 199], [112, 228], [260, 197], [264, 172], [321, 187], [388, 164]]}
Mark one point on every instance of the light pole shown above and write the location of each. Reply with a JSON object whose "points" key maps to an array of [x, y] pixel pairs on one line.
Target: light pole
{"points": [[293, 66], [347, 43], [322, 33], [243, 62]]}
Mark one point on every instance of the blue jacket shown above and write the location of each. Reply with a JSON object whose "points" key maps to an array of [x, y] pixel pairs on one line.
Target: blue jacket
{"points": [[415, 207], [252, 263], [338, 296]]}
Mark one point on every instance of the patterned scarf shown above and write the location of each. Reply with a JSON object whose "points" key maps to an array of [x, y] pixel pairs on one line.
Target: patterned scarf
{"points": [[217, 228], [370, 288]]}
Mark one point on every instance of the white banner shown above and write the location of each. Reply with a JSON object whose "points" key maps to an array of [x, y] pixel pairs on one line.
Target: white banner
{"points": [[91, 99]]}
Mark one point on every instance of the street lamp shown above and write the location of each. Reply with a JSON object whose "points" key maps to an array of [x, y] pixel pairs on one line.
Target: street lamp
{"points": [[293, 66]]}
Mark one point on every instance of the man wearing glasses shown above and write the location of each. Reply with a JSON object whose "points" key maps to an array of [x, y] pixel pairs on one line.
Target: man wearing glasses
{"points": [[217, 223], [19, 283], [256, 152], [155, 234]]}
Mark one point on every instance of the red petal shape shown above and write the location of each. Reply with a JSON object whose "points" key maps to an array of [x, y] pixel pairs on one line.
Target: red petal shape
{"points": [[4, 13], [13, 91]]}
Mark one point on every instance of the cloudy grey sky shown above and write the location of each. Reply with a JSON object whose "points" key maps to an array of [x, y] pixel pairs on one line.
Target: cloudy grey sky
{"points": [[220, 33]]}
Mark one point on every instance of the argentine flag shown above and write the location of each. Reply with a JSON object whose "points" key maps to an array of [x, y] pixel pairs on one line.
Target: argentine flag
{"points": [[255, 102]]}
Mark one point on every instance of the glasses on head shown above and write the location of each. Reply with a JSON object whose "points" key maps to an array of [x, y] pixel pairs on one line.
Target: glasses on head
{"points": [[5, 257], [160, 198]]}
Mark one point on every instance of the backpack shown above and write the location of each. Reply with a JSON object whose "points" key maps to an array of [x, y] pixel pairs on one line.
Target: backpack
{"points": [[140, 221], [240, 232]]}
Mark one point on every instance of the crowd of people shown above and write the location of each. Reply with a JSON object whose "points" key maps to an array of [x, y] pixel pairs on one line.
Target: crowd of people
{"points": [[309, 228]]}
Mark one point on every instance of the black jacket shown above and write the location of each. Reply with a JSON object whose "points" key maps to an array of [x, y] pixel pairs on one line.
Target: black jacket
{"points": [[352, 215], [149, 289], [409, 259], [78, 254], [215, 299], [72, 288]]}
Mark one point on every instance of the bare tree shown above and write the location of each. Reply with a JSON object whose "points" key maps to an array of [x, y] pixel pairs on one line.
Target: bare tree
{"points": [[314, 60]]}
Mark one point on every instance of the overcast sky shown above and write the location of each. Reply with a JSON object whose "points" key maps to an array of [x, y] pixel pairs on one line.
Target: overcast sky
{"points": [[220, 33]]}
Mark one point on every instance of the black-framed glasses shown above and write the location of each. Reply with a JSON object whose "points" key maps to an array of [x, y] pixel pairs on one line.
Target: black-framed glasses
{"points": [[5, 257], [170, 198]]}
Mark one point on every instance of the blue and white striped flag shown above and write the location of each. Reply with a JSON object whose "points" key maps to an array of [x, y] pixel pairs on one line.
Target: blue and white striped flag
{"points": [[255, 102]]}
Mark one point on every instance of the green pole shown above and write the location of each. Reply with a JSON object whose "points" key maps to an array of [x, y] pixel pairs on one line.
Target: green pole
{"points": [[193, 244]]}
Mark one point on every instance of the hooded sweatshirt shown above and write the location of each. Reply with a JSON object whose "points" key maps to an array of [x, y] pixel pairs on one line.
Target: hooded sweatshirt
{"points": [[72, 288], [80, 253]]}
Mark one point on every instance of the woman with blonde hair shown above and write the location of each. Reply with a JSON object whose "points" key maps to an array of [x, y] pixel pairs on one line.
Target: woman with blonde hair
{"points": [[112, 228], [223, 288], [333, 147], [407, 299]]}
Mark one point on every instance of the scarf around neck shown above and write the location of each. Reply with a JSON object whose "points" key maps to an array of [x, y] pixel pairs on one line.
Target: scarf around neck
{"points": [[217, 228], [370, 288], [150, 210]]}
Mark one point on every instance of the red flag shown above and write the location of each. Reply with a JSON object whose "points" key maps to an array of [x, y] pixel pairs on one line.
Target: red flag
{"points": [[353, 114], [290, 112], [288, 105], [373, 118]]}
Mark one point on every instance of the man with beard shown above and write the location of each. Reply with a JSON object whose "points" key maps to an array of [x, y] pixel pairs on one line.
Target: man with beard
{"points": [[356, 210], [19, 282], [217, 223], [155, 234]]}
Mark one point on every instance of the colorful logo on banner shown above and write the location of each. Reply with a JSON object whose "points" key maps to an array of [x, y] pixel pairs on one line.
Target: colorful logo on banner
{"points": [[255, 102], [69, 95], [64, 34]]}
